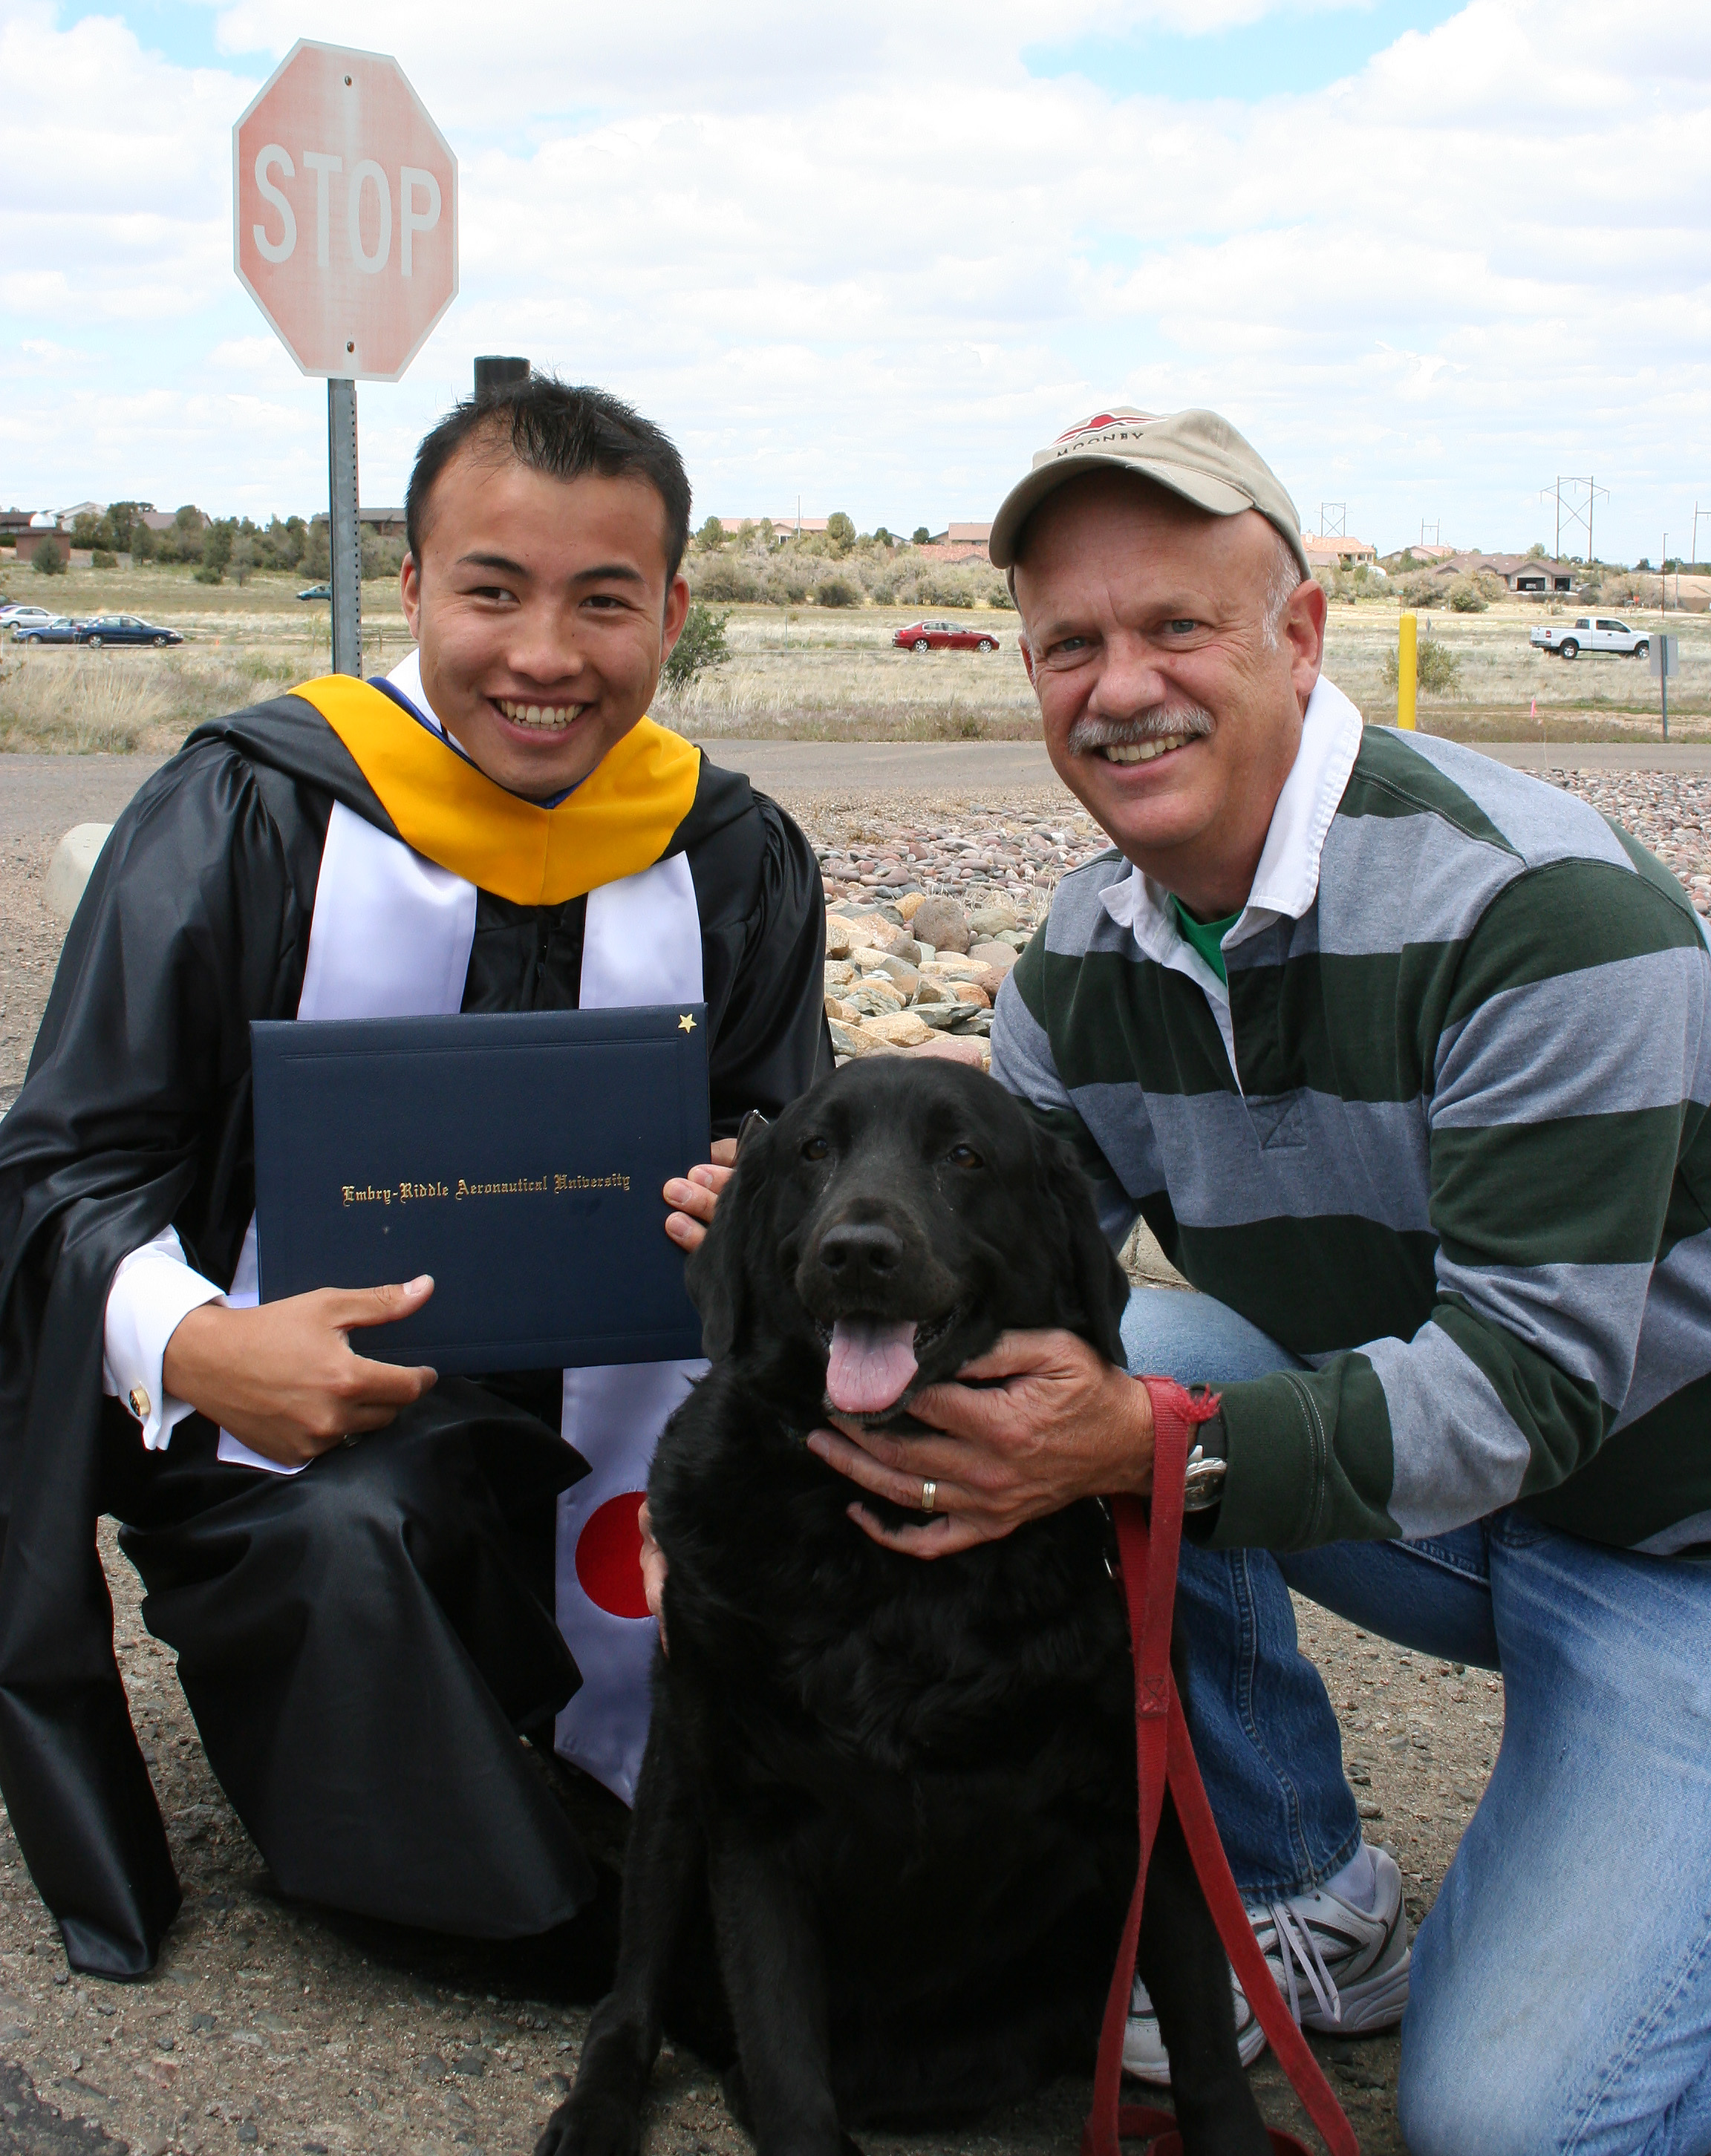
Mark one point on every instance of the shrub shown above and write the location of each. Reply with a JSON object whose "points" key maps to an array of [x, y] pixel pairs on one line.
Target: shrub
{"points": [[837, 592], [143, 547], [711, 536], [216, 543], [840, 529], [50, 558], [1437, 669], [103, 557], [731, 580], [700, 645], [921, 535], [784, 587], [1464, 596]]}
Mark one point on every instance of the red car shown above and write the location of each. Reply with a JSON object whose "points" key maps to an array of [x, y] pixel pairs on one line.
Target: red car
{"points": [[943, 636]]}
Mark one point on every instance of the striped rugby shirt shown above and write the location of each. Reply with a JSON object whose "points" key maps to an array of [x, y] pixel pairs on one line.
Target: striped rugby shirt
{"points": [[1444, 1136]]}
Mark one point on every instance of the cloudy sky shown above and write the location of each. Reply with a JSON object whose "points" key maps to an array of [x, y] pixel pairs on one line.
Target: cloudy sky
{"points": [[1429, 256]]}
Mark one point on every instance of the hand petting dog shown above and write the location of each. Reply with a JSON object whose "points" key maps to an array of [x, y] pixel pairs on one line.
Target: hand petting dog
{"points": [[1038, 1422]]}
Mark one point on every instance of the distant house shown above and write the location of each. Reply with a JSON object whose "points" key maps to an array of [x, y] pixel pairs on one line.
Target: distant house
{"points": [[385, 523], [1338, 553], [68, 517], [163, 520], [1434, 553], [792, 527], [959, 543], [1529, 576], [27, 530]]}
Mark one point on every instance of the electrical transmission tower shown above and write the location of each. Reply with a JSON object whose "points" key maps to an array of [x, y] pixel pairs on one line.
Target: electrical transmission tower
{"points": [[1333, 520], [1576, 499]]}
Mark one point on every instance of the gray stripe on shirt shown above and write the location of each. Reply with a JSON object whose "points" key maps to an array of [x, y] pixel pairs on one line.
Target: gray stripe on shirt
{"points": [[1456, 1453], [1586, 1319], [1324, 1156], [1606, 1041], [1675, 1343]]}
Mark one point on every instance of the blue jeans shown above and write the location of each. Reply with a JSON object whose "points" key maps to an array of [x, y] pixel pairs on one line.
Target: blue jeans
{"points": [[1561, 1986]]}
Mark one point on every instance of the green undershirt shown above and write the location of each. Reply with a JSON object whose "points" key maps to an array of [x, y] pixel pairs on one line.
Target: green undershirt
{"points": [[1207, 937]]}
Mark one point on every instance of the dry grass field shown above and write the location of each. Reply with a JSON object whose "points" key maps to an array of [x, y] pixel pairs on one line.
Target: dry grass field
{"points": [[803, 674]]}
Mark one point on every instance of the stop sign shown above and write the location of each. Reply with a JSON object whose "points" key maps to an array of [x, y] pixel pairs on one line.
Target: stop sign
{"points": [[344, 206]]}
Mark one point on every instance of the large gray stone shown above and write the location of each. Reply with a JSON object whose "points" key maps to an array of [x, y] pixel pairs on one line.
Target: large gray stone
{"points": [[991, 921], [69, 871], [941, 922]]}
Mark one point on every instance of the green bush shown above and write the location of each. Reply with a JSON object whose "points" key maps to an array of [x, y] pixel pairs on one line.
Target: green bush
{"points": [[840, 529], [711, 536], [51, 558], [143, 546], [729, 579], [103, 557], [1437, 669], [837, 592], [207, 574], [1464, 596], [700, 645], [921, 535]]}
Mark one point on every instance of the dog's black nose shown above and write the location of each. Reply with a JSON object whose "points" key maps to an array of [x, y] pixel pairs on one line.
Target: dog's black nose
{"points": [[861, 1254]]}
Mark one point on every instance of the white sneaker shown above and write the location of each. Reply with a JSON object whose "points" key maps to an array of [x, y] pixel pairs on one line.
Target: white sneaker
{"points": [[1144, 2053], [1355, 1962]]}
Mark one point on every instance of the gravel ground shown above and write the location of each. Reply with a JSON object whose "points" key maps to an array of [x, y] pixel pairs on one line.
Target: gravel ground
{"points": [[274, 2025]]}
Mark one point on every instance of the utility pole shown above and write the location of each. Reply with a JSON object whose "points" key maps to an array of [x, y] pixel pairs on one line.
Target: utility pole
{"points": [[1576, 515]]}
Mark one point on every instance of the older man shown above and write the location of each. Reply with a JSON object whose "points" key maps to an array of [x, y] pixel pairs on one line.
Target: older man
{"points": [[1403, 1057]]}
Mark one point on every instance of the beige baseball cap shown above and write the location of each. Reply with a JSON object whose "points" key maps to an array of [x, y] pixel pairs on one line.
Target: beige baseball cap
{"points": [[1194, 454]]}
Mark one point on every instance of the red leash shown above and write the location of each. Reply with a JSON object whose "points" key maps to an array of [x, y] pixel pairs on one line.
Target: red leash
{"points": [[1164, 1754]]}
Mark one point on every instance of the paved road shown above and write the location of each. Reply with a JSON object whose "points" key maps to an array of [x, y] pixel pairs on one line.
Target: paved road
{"points": [[42, 796]]}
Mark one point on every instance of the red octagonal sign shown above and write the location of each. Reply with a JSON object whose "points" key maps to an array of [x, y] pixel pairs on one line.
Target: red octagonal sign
{"points": [[344, 198]]}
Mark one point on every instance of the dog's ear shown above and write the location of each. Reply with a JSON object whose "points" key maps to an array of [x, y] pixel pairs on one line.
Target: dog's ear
{"points": [[1097, 1286], [718, 1274]]}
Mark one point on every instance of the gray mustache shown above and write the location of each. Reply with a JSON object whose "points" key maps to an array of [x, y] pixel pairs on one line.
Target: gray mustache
{"points": [[1156, 723]]}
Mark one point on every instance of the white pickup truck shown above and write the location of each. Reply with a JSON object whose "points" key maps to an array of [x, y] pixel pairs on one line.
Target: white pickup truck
{"points": [[1592, 632]]}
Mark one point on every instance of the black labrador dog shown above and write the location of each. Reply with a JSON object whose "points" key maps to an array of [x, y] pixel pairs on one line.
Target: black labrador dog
{"points": [[883, 1836]]}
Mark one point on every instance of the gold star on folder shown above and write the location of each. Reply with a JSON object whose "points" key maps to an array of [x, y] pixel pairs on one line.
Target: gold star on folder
{"points": [[685, 1024]]}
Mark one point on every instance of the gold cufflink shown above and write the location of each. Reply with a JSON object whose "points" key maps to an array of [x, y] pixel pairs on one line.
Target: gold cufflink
{"points": [[139, 1403]]}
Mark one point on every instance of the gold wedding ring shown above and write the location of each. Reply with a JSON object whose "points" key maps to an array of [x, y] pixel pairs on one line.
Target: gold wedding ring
{"points": [[929, 1492]]}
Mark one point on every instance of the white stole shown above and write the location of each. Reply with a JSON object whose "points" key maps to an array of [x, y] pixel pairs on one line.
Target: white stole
{"points": [[391, 937]]}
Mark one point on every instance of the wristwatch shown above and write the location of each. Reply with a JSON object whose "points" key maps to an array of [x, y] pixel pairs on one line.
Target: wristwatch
{"points": [[1203, 1485]]}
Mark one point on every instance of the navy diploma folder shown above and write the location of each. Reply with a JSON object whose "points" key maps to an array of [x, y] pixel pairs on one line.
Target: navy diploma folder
{"points": [[516, 1156]]}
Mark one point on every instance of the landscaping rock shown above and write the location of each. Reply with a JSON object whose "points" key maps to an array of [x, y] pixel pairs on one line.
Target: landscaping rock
{"points": [[941, 922], [902, 1030], [954, 1049], [998, 957], [991, 921]]}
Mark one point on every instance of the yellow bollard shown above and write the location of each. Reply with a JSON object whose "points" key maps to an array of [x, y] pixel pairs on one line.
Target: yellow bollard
{"points": [[1407, 670]]}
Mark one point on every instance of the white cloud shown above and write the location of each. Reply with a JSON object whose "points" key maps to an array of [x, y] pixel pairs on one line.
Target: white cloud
{"points": [[877, 262]]}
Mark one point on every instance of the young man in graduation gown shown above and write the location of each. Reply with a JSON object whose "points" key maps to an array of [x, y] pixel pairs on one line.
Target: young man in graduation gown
{"points": [[366, 1630]]}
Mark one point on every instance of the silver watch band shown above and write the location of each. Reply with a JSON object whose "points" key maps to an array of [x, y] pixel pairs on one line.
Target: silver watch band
{"points": [[1203, 1484]]}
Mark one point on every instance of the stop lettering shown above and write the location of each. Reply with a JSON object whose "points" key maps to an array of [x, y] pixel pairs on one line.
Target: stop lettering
{"points": [[345, 212]]}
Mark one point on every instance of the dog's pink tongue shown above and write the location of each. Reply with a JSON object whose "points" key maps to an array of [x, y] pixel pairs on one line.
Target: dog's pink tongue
{"points": [[870, 1365]]}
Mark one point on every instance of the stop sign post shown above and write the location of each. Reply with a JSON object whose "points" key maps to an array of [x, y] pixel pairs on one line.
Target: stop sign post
{"points": [[344, 206]]}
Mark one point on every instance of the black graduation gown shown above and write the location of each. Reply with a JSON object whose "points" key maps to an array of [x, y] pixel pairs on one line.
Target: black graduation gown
{"points": [[135, 1114]]}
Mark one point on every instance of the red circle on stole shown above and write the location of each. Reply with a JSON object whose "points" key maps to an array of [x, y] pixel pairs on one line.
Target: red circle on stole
{"points": [[609, 1556]]}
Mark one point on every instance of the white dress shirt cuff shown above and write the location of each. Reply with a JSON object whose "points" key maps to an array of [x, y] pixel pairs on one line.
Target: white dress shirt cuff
{"points": [[152, 1291]]}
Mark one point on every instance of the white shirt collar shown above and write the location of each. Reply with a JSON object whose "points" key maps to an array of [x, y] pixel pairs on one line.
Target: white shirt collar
{"points": [[1286, 881]]}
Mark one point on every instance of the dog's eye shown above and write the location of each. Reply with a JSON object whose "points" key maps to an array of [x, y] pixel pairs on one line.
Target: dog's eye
{"points": [[815, 1149], [962, 1155]]}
